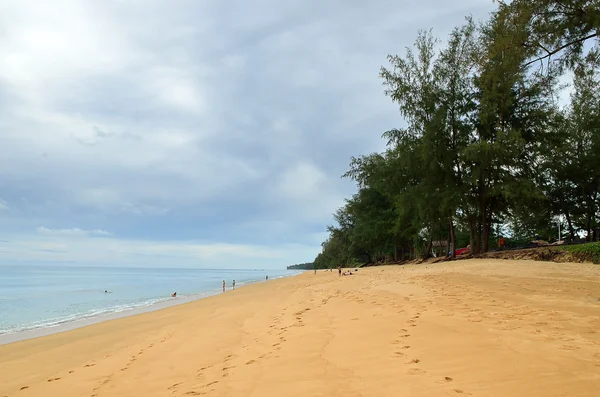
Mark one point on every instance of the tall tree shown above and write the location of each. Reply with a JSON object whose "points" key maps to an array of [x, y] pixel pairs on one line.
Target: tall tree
{"points": [[511, 104]]}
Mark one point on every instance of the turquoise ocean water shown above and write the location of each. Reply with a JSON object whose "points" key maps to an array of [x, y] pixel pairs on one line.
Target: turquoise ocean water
{"points": [[39, 297]]}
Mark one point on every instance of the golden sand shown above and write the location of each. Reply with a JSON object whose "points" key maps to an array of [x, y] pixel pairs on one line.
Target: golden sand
{"points": [[469, 328]]}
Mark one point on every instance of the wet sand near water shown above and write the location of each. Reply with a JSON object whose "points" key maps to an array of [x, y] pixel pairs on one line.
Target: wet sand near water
{"points": [[468, 328]]}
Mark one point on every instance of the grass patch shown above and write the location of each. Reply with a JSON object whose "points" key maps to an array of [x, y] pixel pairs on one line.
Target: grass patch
{"points": [[588, 252]]}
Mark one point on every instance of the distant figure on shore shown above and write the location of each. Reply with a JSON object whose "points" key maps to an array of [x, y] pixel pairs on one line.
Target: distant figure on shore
{"points": [[266, 278], [339, 270], [233, 284], [501, 243], [106, 291], [174, 295], [315, 270], [223, 285]]}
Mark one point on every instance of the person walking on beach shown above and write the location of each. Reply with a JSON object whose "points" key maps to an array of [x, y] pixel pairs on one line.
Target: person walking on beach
{"points": [[223, 285], [339, 270], [266, 278], [501, 243], [233, 284]]}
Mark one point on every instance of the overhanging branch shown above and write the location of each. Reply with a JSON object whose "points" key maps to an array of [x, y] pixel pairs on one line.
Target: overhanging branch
{"points": [[562, 47]]}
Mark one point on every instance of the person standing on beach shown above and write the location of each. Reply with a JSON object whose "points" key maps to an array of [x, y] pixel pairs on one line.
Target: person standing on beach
{"points": [[233, 284], [266, 278], [339, 270], [223, 285]]}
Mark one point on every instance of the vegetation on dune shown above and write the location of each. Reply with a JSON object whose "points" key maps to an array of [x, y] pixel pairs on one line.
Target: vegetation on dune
{"points": [[487, 149], [586, 252]]}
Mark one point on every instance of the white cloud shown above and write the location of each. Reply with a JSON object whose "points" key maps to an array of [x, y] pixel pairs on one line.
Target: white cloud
{"points": [[307, 193], [74, 232], [68, 246], [302, 181], [3, 205]]}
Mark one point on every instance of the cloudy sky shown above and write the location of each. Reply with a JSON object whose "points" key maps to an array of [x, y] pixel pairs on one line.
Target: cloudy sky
{"points": [[191, 133]]}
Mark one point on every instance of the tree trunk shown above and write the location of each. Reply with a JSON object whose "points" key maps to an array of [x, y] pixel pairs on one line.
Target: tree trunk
{"points": [[588, 227], [427, 253], [452, 239], [570, 225], [471, 233], [486, 235], [479, 233]]}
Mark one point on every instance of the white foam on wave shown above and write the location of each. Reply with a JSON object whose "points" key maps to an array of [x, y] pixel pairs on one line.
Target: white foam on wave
{"points": [[99, 314], [92, 313]]}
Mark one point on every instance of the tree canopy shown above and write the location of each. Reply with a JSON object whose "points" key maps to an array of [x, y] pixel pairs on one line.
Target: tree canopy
{"points": [[487, 150]]}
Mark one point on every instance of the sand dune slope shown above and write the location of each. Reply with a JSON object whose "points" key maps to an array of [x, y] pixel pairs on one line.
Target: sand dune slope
{"points": [[473, 328]]}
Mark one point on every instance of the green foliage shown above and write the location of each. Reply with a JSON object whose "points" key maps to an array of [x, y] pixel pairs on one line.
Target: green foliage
{"points": [[557, 29], [589, 252], [302, 266], [486, 151]]}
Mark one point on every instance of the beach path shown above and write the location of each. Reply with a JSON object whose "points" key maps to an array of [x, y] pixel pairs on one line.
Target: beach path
{"points": [[467, 328]]}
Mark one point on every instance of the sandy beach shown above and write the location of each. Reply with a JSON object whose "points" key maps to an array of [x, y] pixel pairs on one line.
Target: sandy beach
{"points": [[468, 328]]}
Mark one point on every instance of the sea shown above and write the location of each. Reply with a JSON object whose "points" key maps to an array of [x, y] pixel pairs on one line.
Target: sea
{"points": [[49, 297]]}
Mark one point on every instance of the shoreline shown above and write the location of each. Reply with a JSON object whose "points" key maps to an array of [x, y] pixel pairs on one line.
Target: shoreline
{"points": [[472, 328], [68, 325]]}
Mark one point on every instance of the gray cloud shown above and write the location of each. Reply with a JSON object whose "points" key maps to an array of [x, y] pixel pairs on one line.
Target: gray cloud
{"points": [[228, 121]]}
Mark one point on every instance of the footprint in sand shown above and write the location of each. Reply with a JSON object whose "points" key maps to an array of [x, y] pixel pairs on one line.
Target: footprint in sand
{"points": [[448, 379], [250, 362], [567, 347], [174, 385], [24, 387], [415, 371], [89, 365], [53, 379]]}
